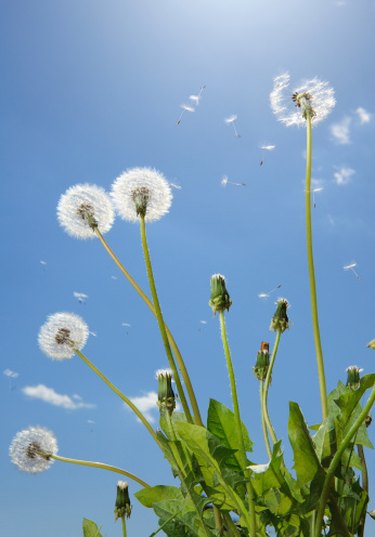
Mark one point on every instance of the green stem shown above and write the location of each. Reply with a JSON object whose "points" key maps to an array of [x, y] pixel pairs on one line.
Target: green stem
{"points": [[365, 484], [238, 422], [126, 400], [123, 523], [173, 344], [102, 466], [159, 317], [310, 262], [267, 383], [264, 425], [337, 457]]}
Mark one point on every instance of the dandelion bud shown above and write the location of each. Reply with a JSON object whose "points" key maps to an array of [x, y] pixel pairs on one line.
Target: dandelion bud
{"points": [[371, 344], [353, 381], [31, 449], [220, 299], [280, 319], [368, 420], [263, 361], [166, 396], [123, 506]]}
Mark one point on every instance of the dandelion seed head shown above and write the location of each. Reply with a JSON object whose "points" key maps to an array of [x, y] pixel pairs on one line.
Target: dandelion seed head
{"points": [[31, 449], [62, 334], [141, 190], [82, 208], [320, 97]]}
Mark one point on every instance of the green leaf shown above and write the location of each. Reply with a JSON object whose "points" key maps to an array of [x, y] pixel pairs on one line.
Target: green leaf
{"points": [[306, 462], [90, 529], [221, 423], [151, 495]]}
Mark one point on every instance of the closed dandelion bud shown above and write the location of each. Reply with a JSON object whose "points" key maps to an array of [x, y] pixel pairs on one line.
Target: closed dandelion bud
{"points": [[263, 361], [220, 299], [123, 506], [280, 319], [368, 420], [353, 380], [166, 396], [371, 344]]}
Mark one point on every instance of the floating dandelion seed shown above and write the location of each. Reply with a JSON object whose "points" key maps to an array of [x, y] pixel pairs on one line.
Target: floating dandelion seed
{"points": [[185, 108], [10, 374], [62, 335], [225, 181], [128, 325], [83, 208], [267, 147], [312, 96], [203, 322], [31, 449], [81, 297], [315, 191], [43, 263], [141, 192], [231, 120], [352, 266], [114, 277], [177, 187], [267, 294], [94, 334], [195, 99]]}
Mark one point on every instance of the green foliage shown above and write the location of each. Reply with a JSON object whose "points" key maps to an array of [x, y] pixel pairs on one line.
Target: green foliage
{"points": [[90, 529]]}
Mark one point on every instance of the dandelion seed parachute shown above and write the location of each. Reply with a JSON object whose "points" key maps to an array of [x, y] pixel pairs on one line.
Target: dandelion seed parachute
{"points": [[62, 334], [321, 94], [23, 450], [79, 200], [151, 184]]}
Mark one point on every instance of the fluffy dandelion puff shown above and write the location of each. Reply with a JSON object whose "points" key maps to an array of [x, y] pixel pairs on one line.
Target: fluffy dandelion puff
{"points": [[141, 192], [31, 449], [313, 94], [83, 208], [62, 334]]}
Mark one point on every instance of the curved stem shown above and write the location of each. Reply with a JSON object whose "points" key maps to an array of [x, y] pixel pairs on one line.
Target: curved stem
{"points": [[310, 262], [159, 317], [238, 422], [173, 344], [126, 400], [264, 425], [102, 466], [267, 385], [337, 457]]}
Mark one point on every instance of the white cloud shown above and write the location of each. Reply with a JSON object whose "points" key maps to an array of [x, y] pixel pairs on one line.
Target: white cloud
{"points": [[343, 175], [340, 131], [48, 395], [363, 115], [146, 403]]}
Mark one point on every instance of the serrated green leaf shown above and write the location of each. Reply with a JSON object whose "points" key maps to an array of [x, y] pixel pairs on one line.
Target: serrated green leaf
{"points": [[90, 529], [221, 423], [306, 462]]}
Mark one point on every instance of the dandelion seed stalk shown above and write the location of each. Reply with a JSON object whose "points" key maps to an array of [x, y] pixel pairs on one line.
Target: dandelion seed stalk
{"points": [[122, 396], [102, 466], [237, 417], [266, 386], [159, 317], [310, 262], [173, 344]]}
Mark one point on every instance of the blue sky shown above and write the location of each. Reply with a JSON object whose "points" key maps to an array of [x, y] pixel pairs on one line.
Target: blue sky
{"points": [[90, 89]]}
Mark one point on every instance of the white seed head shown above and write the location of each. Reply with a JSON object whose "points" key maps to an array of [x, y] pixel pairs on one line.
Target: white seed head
{"points": [[354, 368], [321, 99], [62, 334], [146, 184], [122, 485], [82, 207], [31, 448]]}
